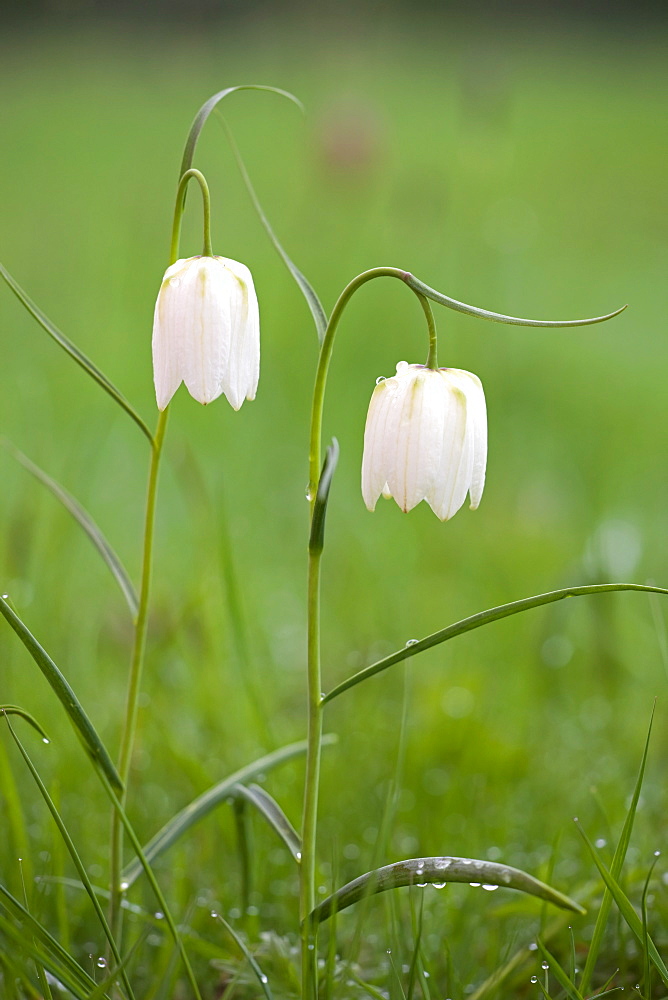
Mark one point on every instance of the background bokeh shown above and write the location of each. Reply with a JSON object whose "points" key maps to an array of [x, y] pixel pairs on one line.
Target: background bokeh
{"points": [[515, 162]]}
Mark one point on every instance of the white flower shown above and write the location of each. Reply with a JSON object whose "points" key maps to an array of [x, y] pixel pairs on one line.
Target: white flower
{"points": [[206, 331], [426, 439]]}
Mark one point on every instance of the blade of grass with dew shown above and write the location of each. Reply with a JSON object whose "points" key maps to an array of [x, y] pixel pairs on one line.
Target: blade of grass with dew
{"points": [[27, 717], [60, 686], [68, 969], [480, 619], [74, 855], [14, 826], [86, 522], [312, 301], [15, 955], [259, 974], [625, 907], [269, 808], [203, 804], [560, 974], [74, 352], [615, 868], [420, 871], [414, 967], [101, 989], [153, 882]]}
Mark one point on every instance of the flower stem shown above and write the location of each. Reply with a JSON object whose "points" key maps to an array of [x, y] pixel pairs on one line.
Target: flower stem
{"points": [[178, 213], [432, 357], [136, 666]]}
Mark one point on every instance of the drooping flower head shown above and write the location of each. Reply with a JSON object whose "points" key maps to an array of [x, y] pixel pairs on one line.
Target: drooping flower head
{"points": [[206, 331], [426, 439]]}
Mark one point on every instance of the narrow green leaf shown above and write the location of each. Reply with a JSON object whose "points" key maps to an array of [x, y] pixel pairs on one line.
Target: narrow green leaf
{"points": [[86, 522], [207, 108], [559, 974], [82, 724], [313, 302], [482, 618], [625, 907], [261, 978], [204, 803], [274, 815], [74, 352], [74, 855], [317, 536], [615, 869], [462, 307], [27, 717], [438, 871]]}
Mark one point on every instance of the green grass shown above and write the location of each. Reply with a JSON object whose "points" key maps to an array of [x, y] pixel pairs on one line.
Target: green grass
{"points": [[518, 172]]}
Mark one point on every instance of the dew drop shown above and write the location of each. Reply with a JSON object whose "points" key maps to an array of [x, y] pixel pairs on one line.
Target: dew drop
{"points": [[309, 493], [412, 642], [5, 597], [46, 740], [421, 885], [657, 854], [389, 951], [381, 378], [474, 885], [442, 863], [420, 865], [534, 979], [263, 979], [489, 887], [601, 842], [425, 974], [439, 885], [124, 886], [101, 963], [311, 946], [214, 914], [545, 966], [159, 915], [298, 855], [533, 946]]}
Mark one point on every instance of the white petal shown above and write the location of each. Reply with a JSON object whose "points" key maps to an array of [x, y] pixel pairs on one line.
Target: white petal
{"points": [[241, 377], [476, 418], [419, 433], [377, 442], [456, 455], [167, 343], [206, 329]]}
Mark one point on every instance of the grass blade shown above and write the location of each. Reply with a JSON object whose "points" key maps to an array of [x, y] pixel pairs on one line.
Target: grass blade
{"points": [[86, 522], [559, 974], [261, 978], [82, 724], [274, 815], [477, 621], [78, 864], [313, 302], [74, 352], [626, 908], [204, 803], [27, 717], [420, 871], [317, 536], [615, 870]]}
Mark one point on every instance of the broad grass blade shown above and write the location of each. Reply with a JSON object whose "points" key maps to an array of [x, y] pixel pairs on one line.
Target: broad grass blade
{"points": [[204, 803], [274, 815], [74, 351], [313, 302], [317, 536], [261, 978], [27, 717], [625, 907], [86, 522], [82, 724], [477, 621], [615, 870], [420, 871]]}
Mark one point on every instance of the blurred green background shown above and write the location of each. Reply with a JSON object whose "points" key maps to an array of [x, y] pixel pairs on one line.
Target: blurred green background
{"points": [[512, 163]]}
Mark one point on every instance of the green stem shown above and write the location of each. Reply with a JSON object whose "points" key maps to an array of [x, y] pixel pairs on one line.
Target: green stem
{"points": [[137, 662], [432, 358], [178, 213]]}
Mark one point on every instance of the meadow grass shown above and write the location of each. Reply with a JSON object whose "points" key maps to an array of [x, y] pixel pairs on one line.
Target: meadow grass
{"points": [[519, 173]]}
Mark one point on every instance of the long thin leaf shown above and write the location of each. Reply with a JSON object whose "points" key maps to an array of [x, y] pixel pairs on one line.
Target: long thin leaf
{"points": [[204, 803], [259, 974], [274, 815], [74, 351], [560, 974], [74, 855], [313, 302], [625, 907], [27, 717], [476, 621], [615, 869], [462, 307], [82, 724], [86, 522], [439, 871]]}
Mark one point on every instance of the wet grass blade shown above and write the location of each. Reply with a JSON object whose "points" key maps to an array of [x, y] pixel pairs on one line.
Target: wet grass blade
{"points": [[74, 855], [440, 870], [82, 724], [261, 978], [313, 302], [615, 870], [274, 815], [86, 522], [559, 974], [626, 909], [27, 717], [74, 351], [204, 803], [477, 621]]}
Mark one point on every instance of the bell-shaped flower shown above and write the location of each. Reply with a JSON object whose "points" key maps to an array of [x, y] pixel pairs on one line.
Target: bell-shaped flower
{"points": [[206, 331], [426, 439]]}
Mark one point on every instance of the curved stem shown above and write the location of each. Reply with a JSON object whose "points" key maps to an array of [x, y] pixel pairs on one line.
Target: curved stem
{"points": [[136, 667], [432, 357], [178, 213]]}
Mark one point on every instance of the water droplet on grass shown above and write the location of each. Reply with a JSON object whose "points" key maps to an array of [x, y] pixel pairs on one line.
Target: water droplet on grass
{"points": [[489, 887], [475, 885], [263, 979], [101, 963], [298, 855], [381, 378], [601, 842], [124, 886], [439, 885], [214, 914], [545, 966], [159, 915], [412, 642], [534, 979], [46, 740]]}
